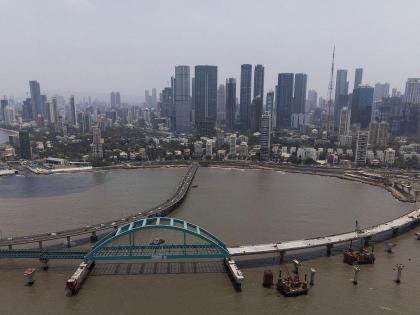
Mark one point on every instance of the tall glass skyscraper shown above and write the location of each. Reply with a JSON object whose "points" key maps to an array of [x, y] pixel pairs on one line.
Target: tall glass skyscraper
{"points": [[259, 82], [205, 98], [182, 99], [284, 99], [230, 103], [245, 95], [36, 100]]}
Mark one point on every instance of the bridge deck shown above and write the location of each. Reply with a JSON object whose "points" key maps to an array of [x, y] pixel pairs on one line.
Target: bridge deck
{"points": [[411, 217], [161, 209]]}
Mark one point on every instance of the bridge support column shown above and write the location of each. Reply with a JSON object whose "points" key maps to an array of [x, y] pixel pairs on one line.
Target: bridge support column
{"points": [[355, 274], [10, 246], [93, 237], [296, 265], [44, 263], [395, 231], [366, 241], [281, 258], [40, 244], [312, 280], [329, 248], [68, 242]]}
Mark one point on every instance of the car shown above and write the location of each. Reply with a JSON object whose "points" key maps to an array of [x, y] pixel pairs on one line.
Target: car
{"points": [[53, 234], [113, 223]]}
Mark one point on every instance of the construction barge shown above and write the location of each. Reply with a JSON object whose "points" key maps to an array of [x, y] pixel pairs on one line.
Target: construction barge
{"points": [[292, 285], [363, 256]]}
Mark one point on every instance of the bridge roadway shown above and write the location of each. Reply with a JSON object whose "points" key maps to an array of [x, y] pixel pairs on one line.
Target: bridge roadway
{"points": [[162, 209], [328, 241]]}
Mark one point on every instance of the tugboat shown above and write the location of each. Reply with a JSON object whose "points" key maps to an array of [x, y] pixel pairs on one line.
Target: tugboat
{"points": [[292, 285], [359, 257]]}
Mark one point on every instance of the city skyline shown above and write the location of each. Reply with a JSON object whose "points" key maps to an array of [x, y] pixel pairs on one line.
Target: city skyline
{"points": [[82, 58]]}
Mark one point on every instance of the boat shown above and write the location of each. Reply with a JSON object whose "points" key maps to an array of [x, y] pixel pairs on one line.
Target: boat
{"points": [[291, 285], [75, 282]]}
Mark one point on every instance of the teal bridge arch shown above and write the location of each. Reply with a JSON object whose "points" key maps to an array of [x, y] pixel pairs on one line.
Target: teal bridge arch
{"points": [[121, 244]]}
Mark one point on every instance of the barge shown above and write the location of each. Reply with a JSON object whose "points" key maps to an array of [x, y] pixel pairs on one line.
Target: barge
{"points": [[75, 282]]}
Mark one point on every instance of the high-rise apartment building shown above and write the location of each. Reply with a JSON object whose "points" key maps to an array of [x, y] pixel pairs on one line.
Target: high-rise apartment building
{"points": [[361, 105], [73, 117], [97, 143], [221, 104], [380, 91], [270, 108], [341, 94], [259, 82], [284, 100], [205, 98], [182, 99], [361, 147], [344, 126], [265, 136], [358, 77], [299, 96], [36, 101], [230, 103], [25, 145], [412, 91], [312, 100], [245, 95], [255, 115]]}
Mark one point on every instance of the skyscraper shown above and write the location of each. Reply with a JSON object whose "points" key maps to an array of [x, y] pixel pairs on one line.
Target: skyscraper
{"points": [[341, 94], [299, 98], [221, 103], [255, 116], [230, 103], [97, 142], [166, 102], [25, 145], [381, 91], [3, 104], [182, 99], [312, 100], [361, 147], [73, 117], [53, 118], [412, 91], [154, 97], [205, 98], [245, 95], [358, 77], [259, 82], [284, 100], [361, 105], [36, 100], [344, 126], [270, 107], [265, 136]]}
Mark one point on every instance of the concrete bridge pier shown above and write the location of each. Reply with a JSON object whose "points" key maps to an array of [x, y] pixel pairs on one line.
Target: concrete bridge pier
{"points": [[366, 240], [44, 263], [40, 244], [10, 246], [395, 231], [68, 242], [281, 257], [329, 248], [93, 237]]}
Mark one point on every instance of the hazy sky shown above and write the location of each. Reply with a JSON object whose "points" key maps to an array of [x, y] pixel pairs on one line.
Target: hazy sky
{"points": [[95, 46]]}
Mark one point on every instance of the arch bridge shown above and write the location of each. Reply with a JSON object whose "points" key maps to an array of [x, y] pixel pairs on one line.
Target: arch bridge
{"points": [[192, 242]]}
